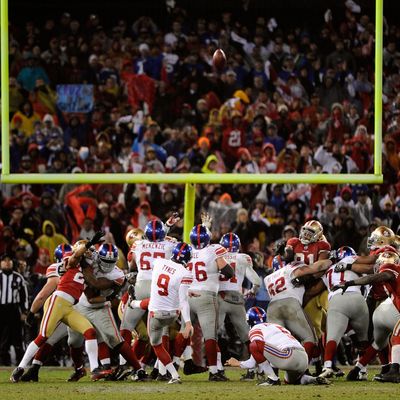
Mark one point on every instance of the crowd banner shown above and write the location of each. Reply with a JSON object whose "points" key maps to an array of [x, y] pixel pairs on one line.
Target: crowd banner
{"points": [[75, 98]]}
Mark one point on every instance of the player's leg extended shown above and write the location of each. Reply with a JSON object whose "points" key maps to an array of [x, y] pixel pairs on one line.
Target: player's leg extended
{"points": [[80, 324], [157, 322], [393, 375]]}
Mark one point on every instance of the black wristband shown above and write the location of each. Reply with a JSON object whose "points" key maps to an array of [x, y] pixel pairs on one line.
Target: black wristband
{"points": [[350, 283], [227, 271], [348, 267]]}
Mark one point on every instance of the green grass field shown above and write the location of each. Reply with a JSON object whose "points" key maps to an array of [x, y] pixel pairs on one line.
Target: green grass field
{"points": [[53, 386]]}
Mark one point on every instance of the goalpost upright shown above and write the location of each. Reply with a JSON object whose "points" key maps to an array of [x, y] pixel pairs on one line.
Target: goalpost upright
{"points": [[190, 180]]}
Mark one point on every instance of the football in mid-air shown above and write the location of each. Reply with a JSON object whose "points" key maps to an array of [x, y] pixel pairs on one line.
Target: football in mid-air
{"points": [[219, 60]]}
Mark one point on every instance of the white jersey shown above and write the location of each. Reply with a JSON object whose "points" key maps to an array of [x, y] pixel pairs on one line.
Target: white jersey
{"points": [[279, 284], [274, 336], [243, 267], [332, 278], [116, 275], [146, 253], [52, 270], [167, 279], [204, 267]]}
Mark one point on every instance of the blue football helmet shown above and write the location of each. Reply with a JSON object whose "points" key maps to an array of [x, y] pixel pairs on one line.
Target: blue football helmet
{"points": [[108, 256], [155, 231], [60, 251], [256, 315], [200, 236], [182, 253], [278, 263], [231, 242], [345, 251]]}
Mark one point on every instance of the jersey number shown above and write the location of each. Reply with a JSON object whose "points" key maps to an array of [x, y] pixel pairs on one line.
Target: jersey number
{"points": [[300, 257], [162, 283], [145, 264], [235, 139], [78, 277], [277, 287], [200, 274], [329, 274], [223, 278]]}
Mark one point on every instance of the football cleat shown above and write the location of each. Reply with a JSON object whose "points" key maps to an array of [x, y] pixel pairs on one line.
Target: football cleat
{"points": [[99, 373], [222, 374], [32, 375], [327, 373], [162, 378], [122, 372], [248, 376], [391, 376], [270, 382], [384, 370], [16, 374], [338, 372], [190, 368], [77, 374], [174, 381], [154, 373], [319, 380], [217, 377], [140, 376]]}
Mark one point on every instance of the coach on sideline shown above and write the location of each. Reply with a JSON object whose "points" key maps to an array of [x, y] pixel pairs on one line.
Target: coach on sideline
{"points": [[13, 306]]}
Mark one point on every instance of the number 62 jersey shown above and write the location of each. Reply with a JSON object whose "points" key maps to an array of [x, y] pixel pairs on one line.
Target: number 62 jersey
{"points": [[279, 283]]}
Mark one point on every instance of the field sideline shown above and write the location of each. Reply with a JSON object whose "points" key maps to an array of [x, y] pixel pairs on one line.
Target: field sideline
{"points": [[53, 386]]}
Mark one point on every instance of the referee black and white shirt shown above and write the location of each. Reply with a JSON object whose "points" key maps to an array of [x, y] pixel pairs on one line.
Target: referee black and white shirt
{"points": [[13, 288]]}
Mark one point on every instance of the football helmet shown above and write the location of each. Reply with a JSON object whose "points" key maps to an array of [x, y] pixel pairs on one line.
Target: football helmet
{"points": [[60, 251], [107, 257], [345, 251], [155, 231], [78, 244], [182, 253], [380, 237], [231, 242], [387, 257], [133, 235], [396, 242], [311, 232], [256, 315], [200, 236]]}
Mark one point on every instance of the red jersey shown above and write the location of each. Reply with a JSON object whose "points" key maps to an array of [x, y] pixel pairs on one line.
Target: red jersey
{"points": [[310, 253], [72, 283], [377, 291], [392, 287]]}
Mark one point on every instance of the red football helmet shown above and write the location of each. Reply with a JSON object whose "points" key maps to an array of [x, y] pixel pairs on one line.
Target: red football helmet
{"points": [[311, 232]]}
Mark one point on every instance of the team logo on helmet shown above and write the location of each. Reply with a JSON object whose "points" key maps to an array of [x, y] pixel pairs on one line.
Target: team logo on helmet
{"points": [[61, 250], [256, 315], [231, 242], [133, 235], [155, 231], [182, 253], [108, 256], [381, 236], [200, 236], [345, 251], [311, 232]]}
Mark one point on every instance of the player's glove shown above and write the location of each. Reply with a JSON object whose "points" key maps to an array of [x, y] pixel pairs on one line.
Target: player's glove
{"points": [[297, 282], [97, 238], [341, 267], [279, 247], [131, 277], [30, 319], [172, 220], [342, 286], [131, 291], [333, 256]]}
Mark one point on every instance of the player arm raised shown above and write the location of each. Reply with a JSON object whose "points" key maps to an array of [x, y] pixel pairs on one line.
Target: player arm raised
{"points": [[76, 256]]}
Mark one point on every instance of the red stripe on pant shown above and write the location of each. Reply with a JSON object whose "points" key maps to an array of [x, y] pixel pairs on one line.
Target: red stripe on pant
{"points": [[256, 348], [211, 352], [162, 354]]}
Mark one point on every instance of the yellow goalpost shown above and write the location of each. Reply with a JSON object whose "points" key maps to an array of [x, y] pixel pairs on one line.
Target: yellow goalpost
{"points": [[189, 180]]}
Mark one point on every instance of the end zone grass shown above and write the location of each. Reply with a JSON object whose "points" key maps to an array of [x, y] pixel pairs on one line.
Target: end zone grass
{"points": [[53, 386]]}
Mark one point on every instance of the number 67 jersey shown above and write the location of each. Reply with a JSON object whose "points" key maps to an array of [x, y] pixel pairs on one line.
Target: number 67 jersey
{"points": [[279, 283]]}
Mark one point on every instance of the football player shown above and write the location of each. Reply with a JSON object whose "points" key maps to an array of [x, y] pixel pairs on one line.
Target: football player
{"points": [[389, 275], [107, 279], [230, 297], [273, 346], [141, 258], [61, 331], [168, 300], [342, 310], [285, 307], [208, 262], [59, 308]]}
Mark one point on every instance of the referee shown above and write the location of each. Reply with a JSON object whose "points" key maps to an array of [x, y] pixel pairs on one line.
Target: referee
{"points": [[13, 307]]}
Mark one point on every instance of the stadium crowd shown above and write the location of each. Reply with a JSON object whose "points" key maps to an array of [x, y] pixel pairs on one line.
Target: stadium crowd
{"points": [[290, 100]]}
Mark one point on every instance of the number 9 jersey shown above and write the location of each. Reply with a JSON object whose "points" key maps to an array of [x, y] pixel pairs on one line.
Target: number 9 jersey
{"points": [[279, 283]]}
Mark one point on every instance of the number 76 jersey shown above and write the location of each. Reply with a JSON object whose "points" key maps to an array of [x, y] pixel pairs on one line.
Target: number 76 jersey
{"points": [[279, 283]]}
